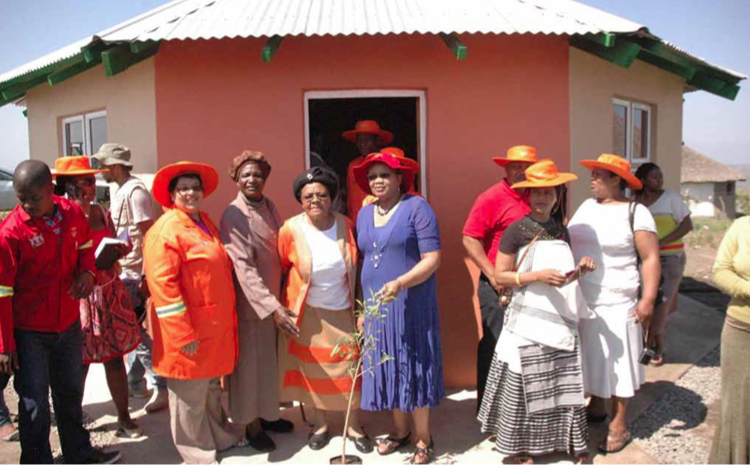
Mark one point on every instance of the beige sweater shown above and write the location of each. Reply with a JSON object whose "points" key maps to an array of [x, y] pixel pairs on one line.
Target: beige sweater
{"points": [[732, 269]]}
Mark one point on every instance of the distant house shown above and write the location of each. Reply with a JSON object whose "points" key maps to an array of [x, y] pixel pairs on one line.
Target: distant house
{"points": [[709, 186]]}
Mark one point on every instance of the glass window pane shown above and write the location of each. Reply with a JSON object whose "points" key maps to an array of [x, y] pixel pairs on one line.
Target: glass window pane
{"points": [[97, 133], [620, 145], [640, 134], [74, 138]]}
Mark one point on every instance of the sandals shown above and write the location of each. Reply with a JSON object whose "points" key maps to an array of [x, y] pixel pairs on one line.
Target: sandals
{"points": [[658, 360], [615, 442], [582, 459], [519, 459], [393, 444], [424, 454]]}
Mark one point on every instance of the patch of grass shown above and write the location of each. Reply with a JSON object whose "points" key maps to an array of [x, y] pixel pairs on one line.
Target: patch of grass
{"points": [[707, 232], [3, 214], [743, 201]]}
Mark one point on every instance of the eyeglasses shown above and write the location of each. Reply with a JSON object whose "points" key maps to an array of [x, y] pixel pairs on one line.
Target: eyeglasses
{"points": [[184, 190], [309, 197], [374, 176]]}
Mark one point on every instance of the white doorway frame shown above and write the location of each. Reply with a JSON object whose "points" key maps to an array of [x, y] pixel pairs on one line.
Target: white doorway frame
{"points": [[375, 93]]}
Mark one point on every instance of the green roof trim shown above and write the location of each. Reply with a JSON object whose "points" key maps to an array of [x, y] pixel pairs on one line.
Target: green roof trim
{"points": [[119, 57], [627, 48], [453, 42], [271, 47]]}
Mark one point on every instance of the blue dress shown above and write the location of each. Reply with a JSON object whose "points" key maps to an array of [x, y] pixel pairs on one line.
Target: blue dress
{"points": [[411, 330]]}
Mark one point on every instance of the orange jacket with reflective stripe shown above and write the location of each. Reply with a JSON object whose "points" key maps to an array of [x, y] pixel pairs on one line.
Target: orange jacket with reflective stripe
{"points": [[189, 275]]}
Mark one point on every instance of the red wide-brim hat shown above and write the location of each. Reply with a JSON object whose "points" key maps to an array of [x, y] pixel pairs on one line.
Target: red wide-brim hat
{"points": [[615, 164], [368, 127], [160, 189], [394, 163]]}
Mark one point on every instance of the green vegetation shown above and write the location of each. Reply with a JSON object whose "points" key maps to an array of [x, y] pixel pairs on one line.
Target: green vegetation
{"points": [[707, 232], [743, 202]]}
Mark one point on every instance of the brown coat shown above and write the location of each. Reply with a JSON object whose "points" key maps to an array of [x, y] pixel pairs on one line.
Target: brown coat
{"points": [[250, 234]]}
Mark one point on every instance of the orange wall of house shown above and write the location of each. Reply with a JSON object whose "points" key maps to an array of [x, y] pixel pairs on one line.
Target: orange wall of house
{"points": [[215, 98]]}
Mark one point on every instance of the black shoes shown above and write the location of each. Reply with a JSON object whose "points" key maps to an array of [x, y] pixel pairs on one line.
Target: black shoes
{"points": [[363, 444], [318, 441], [278, 426], [261, 442]]}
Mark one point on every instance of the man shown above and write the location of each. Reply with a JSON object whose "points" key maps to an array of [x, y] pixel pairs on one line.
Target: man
{"points": [[133, 214], [369, 138], [493, 211], [46, 266]]}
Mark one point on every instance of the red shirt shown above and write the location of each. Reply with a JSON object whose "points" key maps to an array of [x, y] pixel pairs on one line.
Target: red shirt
{"points": [[493, 211], [39, 259]]}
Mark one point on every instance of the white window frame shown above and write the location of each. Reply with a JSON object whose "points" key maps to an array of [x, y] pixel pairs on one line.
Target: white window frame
{"points": [[85, 120], [375, 93], [630, 106]]}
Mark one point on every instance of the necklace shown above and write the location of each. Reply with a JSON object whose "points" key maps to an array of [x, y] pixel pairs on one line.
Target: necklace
{"points": [[382, 212]]}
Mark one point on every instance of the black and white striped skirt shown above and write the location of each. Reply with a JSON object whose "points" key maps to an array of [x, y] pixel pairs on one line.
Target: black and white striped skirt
{"points": [[503, 413]]}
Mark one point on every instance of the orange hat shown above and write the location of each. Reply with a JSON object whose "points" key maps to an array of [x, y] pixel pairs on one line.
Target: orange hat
{"points": [[395, 163], [519, 153], [398, 153], [160, 189], [368, 127], [74, 166], [617, 165], [544, 174]]}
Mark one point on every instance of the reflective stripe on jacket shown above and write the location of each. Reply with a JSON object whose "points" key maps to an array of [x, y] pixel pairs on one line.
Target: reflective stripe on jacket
{"points": [[189, 275]]}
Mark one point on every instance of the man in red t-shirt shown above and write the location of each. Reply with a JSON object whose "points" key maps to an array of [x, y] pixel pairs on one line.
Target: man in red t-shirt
{"points": [[46, 265], [493, 211]]}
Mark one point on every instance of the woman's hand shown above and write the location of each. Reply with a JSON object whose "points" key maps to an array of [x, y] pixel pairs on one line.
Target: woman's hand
{"points": [[586, 265], [285, 321], [389, 292], [551, 277], [190, 349], [644, 312]]}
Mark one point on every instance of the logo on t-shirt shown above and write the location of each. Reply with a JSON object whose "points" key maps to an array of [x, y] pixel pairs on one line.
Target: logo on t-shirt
{"points": [[37, 241]]}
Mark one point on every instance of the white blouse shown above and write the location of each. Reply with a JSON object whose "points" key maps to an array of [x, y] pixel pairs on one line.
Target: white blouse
{"points": [[602, 232], [329, 289]]}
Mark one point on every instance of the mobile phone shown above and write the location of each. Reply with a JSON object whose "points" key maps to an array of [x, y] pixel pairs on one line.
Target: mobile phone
{"points": [[72, 191]]}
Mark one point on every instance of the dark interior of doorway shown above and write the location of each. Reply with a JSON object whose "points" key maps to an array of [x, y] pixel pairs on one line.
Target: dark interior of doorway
{"points": [[329, 118]]}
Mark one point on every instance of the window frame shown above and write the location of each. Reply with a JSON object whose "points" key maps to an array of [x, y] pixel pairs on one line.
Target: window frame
{"points": [[85, 120], [630, 106], [420, 95]]}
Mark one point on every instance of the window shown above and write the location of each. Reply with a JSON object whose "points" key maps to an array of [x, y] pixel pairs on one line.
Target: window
{"points": [[329, 113], [84, 134], [631, 130]]}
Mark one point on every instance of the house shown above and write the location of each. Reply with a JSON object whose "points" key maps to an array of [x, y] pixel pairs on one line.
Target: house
{"points": [[709, 186], [457, 82]]}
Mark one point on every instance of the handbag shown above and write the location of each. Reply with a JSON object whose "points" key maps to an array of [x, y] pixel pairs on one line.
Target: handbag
{"points": [[506, 293]]}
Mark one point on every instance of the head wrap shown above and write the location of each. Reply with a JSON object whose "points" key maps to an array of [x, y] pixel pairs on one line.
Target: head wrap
{"points": [[249, 156], [316, 174]]}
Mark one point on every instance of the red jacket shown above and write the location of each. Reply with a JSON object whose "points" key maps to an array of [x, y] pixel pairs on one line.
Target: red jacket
{"points": [[37, 267]]}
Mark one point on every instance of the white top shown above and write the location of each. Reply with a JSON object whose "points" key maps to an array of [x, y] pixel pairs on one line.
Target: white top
{"points": [[602, 232], [130, 206], [328, 285]]}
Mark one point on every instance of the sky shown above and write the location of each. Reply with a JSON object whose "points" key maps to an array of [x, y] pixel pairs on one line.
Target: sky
{"points": [[716, 30]]}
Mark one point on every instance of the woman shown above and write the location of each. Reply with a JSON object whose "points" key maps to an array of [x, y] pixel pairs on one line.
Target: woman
{"points": [[193, 315], [400, 242], [545, 413], [249, 230], [732, 274], [672, 217], [615, 233], [319, 256], [109, 324]]}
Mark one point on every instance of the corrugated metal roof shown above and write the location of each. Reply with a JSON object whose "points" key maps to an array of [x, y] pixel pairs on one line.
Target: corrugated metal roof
{"points": [[217, 19]]}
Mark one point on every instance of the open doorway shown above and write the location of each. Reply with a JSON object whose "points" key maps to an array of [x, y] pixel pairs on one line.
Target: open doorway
{"points": [[329, 113]]}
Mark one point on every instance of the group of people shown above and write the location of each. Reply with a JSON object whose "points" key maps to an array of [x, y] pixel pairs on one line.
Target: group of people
{"points": [[258, 306]]}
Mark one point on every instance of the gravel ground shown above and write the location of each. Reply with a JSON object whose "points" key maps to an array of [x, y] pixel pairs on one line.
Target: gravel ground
{"points": [[673, 429]]}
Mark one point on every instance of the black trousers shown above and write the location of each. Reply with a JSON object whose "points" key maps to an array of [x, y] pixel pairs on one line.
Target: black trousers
{"points": [[492, 324]]}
